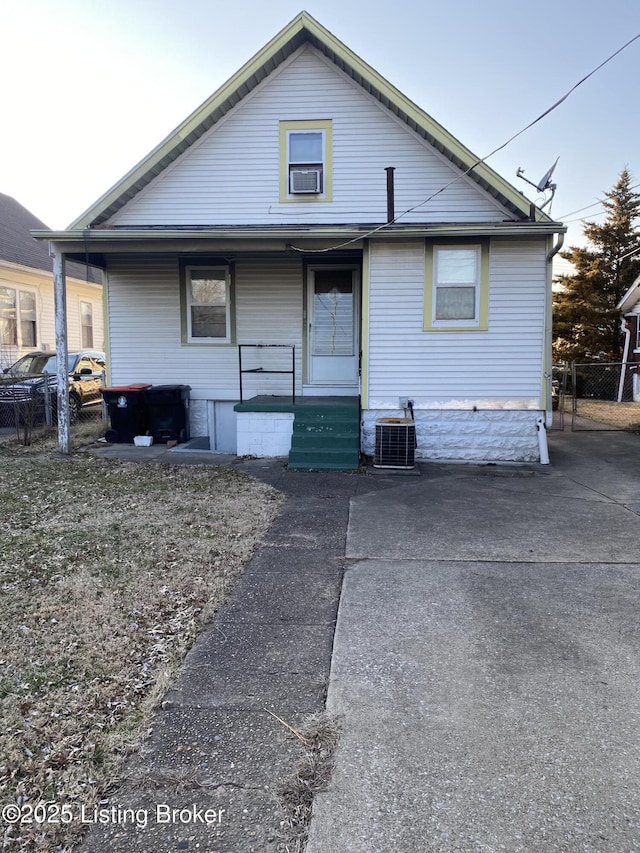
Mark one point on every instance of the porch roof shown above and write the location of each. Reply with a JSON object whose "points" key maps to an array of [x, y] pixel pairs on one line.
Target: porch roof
{"points": [[82, 244]]}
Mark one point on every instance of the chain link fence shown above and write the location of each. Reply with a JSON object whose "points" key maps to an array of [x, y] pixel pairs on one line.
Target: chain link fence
{"points": [[604, 396], [29, 406], [559, 384]]}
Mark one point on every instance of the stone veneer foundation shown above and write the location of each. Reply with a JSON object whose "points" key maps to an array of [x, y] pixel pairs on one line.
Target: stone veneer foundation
{"points": [[486, 435]]}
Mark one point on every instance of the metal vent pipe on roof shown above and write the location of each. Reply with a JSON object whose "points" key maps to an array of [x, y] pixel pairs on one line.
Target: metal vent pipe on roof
{"points": [[391, 214]]}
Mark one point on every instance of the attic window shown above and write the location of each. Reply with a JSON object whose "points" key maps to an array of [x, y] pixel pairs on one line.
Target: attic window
{"points": [[305, 161]]}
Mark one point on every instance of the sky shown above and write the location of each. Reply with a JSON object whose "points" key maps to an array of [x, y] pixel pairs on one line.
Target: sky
{"points": [[88, 87]]}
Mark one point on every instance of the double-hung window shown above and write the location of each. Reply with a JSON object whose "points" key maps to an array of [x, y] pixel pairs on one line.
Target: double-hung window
{"points": [[456, 291], [17, 318], [86, 325], [207, 304], [305, 160]]}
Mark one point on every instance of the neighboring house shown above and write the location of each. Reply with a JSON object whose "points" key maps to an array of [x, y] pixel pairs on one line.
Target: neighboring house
{"points": [[27, 314], [273, 216], [629, 307]]}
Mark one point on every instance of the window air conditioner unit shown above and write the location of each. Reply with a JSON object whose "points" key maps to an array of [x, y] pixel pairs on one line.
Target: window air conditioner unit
{"points": [[304, 181]]}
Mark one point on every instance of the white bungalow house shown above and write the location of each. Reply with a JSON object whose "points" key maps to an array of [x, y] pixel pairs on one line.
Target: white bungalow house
{"points": [[27, 315], [629, 308], [309, 246]]}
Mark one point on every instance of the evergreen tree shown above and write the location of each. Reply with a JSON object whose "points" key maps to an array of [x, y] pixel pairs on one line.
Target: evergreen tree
{"points": [[586, 324]]}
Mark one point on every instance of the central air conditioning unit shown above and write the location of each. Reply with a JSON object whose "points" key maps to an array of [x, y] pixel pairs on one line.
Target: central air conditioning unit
{"points": [[304, 181], [395, 443]]}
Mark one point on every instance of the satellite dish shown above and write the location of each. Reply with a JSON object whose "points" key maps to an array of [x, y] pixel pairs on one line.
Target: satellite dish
{"points": [[545, 181], [543, 184]]}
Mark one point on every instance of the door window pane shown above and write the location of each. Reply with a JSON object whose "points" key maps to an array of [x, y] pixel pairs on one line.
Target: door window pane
{"points": [[332, 330]]}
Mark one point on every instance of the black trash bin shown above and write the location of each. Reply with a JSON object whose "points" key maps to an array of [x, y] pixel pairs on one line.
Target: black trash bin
{"points": [[168, 412], [127, 412]]}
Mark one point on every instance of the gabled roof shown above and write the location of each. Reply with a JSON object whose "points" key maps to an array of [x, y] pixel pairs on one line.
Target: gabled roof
{"points": [[302, 30], [17, 246], [631, 297]]}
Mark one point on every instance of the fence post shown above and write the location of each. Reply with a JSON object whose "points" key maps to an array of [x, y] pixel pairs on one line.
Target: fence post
{"points": [[48, 417], [105, 411]]}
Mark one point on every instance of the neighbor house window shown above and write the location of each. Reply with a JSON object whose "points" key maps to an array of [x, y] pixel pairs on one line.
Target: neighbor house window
{"points": [[456, 289], [86, 325], [8, 317], [17, 318], [305, 161], [27, 318], [207, 298]]}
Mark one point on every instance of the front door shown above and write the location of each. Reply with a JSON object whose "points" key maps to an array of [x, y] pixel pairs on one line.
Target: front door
{"points": [[332, 327]]}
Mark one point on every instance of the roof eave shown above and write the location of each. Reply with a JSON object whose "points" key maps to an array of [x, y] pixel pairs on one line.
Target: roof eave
{"points": [[631, 297], [95, 238]]}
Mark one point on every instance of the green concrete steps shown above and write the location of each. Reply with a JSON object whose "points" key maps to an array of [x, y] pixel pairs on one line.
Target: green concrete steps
{"points": [[326, 437]]}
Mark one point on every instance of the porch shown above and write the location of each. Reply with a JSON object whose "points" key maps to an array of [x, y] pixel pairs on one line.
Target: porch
{"points": [[315, 433]]}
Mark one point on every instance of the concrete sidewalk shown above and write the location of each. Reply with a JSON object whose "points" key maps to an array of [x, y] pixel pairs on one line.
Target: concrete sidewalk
{"points": [[486, 662], [214, 744]]}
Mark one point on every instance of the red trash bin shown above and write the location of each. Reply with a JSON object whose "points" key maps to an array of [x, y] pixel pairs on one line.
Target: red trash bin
{"points": [[127, 412]]}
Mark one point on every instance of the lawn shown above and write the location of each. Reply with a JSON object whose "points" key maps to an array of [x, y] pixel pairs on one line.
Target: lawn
{"points": [[108, 571], [608, 413]]}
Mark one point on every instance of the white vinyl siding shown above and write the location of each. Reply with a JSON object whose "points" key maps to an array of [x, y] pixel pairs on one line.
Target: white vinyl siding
{"points": [[502, 363], [226, 178], [268, 310]]}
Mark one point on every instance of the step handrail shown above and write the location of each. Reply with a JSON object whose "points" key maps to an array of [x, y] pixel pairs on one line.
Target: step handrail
{"points": [[292, 347]]}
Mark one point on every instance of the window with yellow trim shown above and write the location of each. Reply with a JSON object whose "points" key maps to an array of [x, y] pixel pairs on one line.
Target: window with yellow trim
{"points": [[456, 288], [305, 161]]}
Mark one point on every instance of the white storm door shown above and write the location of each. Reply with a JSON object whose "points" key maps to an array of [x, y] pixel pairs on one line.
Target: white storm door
{"points": [[333, 319]]}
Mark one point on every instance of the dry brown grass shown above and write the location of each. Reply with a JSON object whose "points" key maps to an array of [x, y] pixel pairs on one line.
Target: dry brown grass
{"points": [[319, 735], [108, 571], [609, 413]]}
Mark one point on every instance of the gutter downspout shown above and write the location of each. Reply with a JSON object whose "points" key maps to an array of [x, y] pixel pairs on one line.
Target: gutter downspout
{"points": [[624, 327], [543, 448], [556, 248], [547, 361]]}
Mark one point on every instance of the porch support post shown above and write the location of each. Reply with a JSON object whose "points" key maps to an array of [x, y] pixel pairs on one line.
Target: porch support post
{"points": [[62, 349]]}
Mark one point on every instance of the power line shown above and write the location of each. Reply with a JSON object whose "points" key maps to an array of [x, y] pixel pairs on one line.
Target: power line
{"points": [[595, 204], [478, 162]]}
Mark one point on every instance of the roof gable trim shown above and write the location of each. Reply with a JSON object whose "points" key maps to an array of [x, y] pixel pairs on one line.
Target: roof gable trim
{"points": [[302, 29]]}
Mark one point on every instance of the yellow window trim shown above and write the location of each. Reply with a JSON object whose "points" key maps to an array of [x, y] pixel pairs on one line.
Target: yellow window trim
{"points": [[326, 195], [483, 319]]}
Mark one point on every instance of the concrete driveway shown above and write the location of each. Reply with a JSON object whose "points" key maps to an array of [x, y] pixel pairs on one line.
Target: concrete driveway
{"points": [[486, 665]]}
